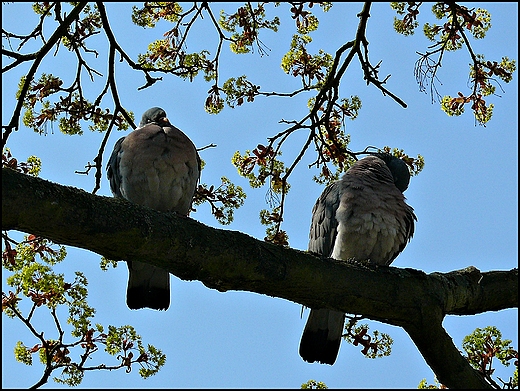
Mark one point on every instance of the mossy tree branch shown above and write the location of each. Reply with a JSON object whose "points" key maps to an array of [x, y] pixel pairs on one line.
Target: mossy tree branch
{"points": [[230, 260]]}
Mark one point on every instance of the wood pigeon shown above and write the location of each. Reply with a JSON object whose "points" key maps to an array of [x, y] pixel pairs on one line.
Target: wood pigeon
{"points": [[364, 217], [157, 166]]}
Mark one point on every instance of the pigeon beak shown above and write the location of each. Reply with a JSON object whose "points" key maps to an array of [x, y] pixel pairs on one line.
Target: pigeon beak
{"points": [[165, 120]]}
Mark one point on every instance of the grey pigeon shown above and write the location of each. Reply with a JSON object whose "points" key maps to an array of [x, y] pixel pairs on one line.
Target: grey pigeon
{"points": [[364, 217], [157, 166]]}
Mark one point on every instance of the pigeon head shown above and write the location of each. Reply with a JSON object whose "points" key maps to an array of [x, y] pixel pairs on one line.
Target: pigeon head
{"points": [[398, 168], [155, 114]]}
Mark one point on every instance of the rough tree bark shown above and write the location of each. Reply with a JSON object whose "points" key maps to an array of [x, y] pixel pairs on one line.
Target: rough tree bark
{"points": [[230, 260]]}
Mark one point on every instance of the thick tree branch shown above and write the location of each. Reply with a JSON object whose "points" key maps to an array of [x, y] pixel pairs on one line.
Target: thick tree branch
{"points": [[443, 357], [230, 260]]}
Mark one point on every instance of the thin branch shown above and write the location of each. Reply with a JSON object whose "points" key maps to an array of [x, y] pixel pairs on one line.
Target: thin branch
{"points": [[42, 53], [99, 158], [212, 145], [290, 170]]}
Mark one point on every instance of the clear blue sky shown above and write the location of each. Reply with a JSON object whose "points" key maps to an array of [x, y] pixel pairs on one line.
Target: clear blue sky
{"points": [[466, 198]]}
